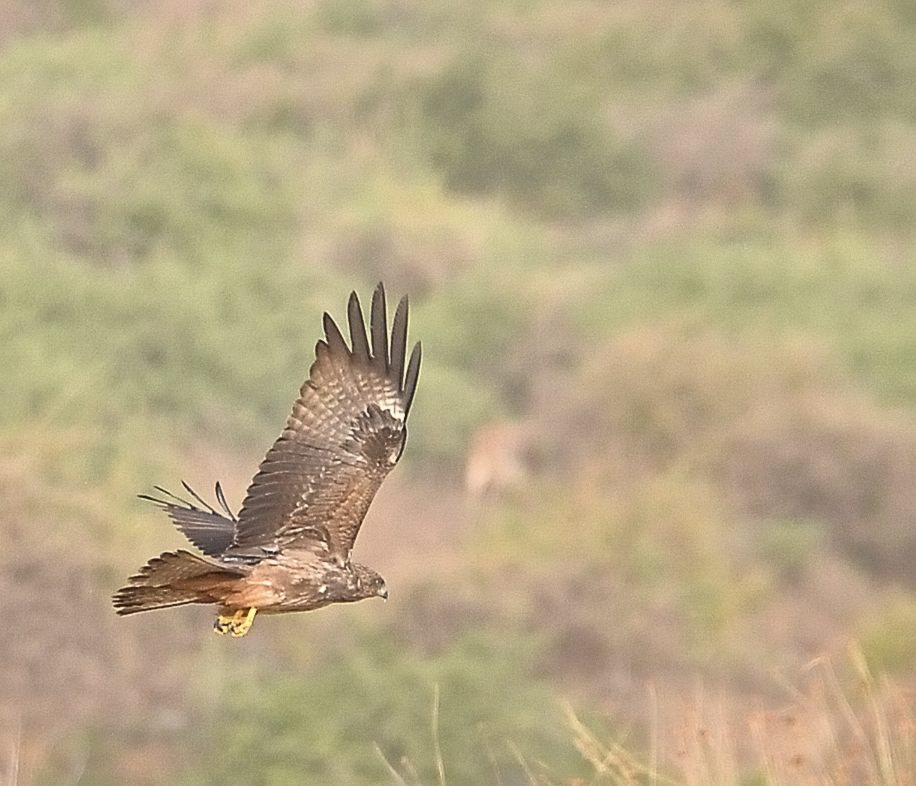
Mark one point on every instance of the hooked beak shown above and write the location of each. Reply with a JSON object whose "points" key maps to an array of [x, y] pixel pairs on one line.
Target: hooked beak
{"points": [[383, 592]]}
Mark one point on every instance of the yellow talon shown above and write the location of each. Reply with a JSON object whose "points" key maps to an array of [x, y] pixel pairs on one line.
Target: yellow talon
{"points": [[243, 625], [236, 625], [224, 624]]}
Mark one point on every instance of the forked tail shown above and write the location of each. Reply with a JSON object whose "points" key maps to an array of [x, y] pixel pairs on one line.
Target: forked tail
{"points": [[174, 579]]}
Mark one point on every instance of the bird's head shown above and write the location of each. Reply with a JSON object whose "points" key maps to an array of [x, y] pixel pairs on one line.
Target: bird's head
{"points": [[366, 583]]}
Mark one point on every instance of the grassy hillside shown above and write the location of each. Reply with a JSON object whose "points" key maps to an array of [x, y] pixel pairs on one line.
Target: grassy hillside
{"points": [[675, 245]]}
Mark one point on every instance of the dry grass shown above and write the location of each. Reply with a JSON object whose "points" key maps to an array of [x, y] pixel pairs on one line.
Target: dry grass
{"points": [[845, 726]]}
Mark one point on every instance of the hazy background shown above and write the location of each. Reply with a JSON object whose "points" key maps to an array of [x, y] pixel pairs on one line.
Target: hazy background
{"points": [[661, 261]]}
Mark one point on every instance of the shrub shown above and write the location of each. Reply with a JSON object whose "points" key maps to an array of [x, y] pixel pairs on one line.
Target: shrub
{"points": [[496, 127]]}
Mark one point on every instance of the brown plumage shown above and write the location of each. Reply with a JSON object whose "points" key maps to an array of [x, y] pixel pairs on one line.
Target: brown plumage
{"points": [[289, 547]]}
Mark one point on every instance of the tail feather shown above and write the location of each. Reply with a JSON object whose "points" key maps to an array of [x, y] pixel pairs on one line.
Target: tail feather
{"points": [[174, 579]]}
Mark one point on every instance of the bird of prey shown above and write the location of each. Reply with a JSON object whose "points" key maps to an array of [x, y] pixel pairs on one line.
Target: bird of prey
{"points": [[288, 549]]}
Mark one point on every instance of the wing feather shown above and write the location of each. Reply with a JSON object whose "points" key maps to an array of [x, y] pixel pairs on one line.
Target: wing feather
{"points": [[208, 529], [357, 328], [379, 325], [345, 433], [399, 342], [413, 374], [335, 339], [221, 499]]}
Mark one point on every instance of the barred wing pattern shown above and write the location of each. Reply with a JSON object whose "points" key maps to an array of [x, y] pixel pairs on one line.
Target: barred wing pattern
{"points": [[345, 434]]}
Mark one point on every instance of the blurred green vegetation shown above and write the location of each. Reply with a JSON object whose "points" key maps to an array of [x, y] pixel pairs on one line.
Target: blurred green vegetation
{"points": [[882, 642], [677, 243], [377, 701]]}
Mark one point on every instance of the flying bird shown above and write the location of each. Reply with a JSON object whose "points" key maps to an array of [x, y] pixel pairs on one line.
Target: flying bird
{"points": [[288, 549]]}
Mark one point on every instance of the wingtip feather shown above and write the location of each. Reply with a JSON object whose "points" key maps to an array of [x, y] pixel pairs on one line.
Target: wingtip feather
{"points": [[379, 327], [335, 338], [413, 373], [357, 325], [224, 504], [399, 342]]}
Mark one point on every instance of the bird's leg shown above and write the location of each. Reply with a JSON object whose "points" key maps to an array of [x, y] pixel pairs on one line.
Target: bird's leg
{"points": [[225, 623], [236, 625], [241, 627]]}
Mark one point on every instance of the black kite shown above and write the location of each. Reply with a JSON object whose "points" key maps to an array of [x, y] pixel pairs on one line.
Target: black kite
{"points": [[289, 547]]}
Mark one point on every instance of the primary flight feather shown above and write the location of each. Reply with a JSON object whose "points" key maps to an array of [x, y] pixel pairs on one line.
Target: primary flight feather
{"points": [[288, 549]]}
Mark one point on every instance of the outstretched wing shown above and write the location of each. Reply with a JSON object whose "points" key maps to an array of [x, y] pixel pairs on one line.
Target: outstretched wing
{"points": [[207, 528], [345, 434]]}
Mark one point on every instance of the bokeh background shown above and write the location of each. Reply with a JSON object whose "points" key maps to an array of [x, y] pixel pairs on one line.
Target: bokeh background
{"points": [[656, 520]]}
